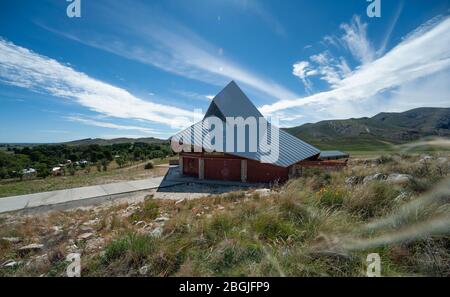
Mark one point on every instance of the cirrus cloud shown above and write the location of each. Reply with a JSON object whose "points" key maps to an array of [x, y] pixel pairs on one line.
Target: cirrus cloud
{"points": [[423, 54], [26, 69]]}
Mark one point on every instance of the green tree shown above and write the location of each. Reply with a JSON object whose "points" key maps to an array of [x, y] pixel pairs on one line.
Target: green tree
{"points": [[121, 161], [42, 170]]}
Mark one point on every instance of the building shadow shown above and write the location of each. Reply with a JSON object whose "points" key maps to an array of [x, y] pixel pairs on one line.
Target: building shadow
{"points": [[175, 182]]}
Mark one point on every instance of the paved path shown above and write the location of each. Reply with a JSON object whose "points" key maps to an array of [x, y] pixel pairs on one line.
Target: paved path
{"points": [[72, 196]]}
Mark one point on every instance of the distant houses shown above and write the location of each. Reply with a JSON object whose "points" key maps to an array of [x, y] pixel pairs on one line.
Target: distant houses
{"points": [[81, 163], [57, 171], [29, 172]]}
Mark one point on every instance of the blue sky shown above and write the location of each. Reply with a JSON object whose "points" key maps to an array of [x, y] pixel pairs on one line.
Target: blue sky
{"points": [[141, 68]]}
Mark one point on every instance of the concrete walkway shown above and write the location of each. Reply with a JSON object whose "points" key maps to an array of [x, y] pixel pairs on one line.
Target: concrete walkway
{"points": [[81, 196], [85, 196]]}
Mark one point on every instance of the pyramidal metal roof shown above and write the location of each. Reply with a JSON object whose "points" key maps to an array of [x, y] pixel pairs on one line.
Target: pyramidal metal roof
{"points": [[232, 102]]}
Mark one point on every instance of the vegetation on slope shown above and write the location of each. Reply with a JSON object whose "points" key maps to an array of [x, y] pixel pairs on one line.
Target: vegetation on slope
{"points": [[44, 157], [84, 177], [380, 132], [322, 224]]}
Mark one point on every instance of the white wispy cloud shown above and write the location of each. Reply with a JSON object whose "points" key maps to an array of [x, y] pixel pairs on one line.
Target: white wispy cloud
{"points": [[96, 123], [323, 65], [355, 39], [302, 70], [390, 29], [425, 27], [155, 39], [333, 69], [329, 68], [24, 68], [419, 56], [287, 119]]}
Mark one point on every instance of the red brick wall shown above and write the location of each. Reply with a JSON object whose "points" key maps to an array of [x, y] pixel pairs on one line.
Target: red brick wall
{"points": [[263, 172], [223, 169], [227, 167], [190, 166]]}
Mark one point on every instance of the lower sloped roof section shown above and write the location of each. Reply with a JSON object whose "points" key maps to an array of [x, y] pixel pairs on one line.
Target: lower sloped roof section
{"points": [[290, 149], [333, 155]]}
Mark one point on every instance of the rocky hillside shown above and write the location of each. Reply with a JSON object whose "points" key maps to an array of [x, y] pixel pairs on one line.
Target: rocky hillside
{"points": [[381, 130]]}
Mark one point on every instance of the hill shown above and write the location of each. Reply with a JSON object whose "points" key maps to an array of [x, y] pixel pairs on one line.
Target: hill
{"points": [[100, 141], [378, 132]]}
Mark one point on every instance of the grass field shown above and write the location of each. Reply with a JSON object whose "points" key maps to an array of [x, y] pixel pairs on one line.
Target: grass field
{"points": [[377, 146], [81, 178], [371, 148]]}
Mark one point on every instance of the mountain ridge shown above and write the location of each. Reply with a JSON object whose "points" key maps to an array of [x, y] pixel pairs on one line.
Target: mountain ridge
{"points": [[120, 140], [381, 130], [365, 133]]}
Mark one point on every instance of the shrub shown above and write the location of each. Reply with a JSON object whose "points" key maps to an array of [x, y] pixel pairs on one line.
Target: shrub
{"points": [[271, 227], [3, 173], [4, 247], [149, 211], [316, 178], [55, 254], [234, 196], [253, 252], [115, 222], [226, 256], [105, 165], [180, 224], [384, 159], [371, 200], [148, 166], [140, 246], [116, 249], [42, 171], [249, 209], [72, 170], [229, 255], [331, 197], [294, 211], [219, 226], [134, 247]]}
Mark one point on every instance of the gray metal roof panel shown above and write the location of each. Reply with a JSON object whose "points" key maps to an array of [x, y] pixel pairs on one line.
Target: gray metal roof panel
{"points": [[291, 149], [232, 102], [332, 154]]}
